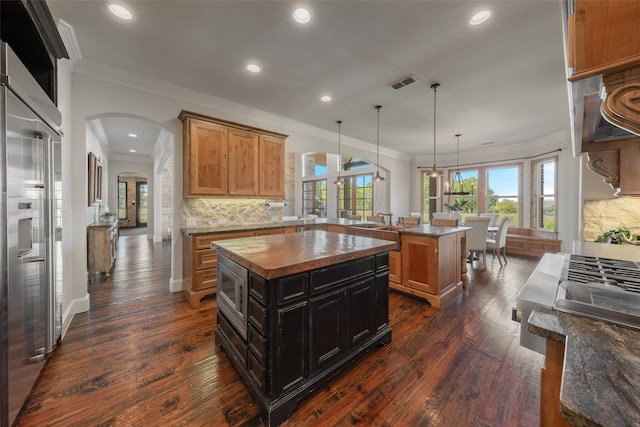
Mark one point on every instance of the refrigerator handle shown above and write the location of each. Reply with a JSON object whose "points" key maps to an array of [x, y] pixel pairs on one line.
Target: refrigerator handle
{"points": [[50, 297]]}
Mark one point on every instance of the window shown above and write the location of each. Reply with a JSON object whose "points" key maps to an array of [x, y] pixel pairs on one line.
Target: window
{"points": [[356, 195], [122, 200], [503, 185], [314, 198], [544, 212], [353, 163], [430, 198], [314, 164], [142, 203]]}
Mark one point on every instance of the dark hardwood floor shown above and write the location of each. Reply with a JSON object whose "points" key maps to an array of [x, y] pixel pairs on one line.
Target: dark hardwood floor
{"points": [[142, 357]]}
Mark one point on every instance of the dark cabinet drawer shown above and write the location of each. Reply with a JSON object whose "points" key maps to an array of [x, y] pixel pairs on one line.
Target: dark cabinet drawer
{"points": [[292, 287], [258, 316], [325, 278], [257, 344], [238, 346], [258, 288], [257, 372], [382, 262]]}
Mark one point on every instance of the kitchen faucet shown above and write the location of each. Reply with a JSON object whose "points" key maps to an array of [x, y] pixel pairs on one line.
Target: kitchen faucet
{"points": [[386, 214]]}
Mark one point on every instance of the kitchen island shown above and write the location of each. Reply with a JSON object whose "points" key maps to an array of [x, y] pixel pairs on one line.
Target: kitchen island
{"points": [[295, 309], [434, 262]]}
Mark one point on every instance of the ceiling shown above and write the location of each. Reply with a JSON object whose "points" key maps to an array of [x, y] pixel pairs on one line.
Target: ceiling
{"points": [[502, 82]]}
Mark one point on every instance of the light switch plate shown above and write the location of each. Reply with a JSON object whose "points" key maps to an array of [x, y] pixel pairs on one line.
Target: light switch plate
{"points": [[191, 222], [222, 221]]}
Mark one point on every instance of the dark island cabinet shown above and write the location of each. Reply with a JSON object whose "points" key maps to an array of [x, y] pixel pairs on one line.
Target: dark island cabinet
{"points": [[304, 328]]}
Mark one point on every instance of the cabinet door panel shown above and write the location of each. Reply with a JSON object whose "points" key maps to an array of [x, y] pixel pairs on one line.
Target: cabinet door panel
{"points": [[291, 358], [271, 179], [207, 159], [419, 264], [360, 297], [381, 302], [243, 163], [329, 335]]}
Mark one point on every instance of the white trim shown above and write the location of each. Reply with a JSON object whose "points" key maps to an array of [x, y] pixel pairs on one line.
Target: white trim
{"points": [[78, 305], [175, 285], [68, 35]]}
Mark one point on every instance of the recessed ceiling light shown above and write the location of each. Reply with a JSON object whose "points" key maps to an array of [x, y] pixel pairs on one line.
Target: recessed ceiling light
{"points": [[301, 16], [132, 135], [325, 98], [254, 68], [132, 150], [480, 17], [120, 11]]}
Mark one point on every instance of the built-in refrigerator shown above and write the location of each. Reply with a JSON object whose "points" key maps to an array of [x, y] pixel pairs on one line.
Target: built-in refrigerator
{"points": [[30, 232]]}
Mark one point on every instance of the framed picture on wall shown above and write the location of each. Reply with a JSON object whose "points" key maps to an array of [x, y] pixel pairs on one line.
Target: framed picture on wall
{"points": [[91, 196], [94, 184]]}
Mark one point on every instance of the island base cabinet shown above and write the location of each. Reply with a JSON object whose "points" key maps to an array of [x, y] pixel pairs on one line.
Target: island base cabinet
{"points": [[550, 382], [302, 331]]}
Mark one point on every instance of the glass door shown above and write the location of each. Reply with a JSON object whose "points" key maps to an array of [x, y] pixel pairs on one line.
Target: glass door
{"points": [[141, 211]]}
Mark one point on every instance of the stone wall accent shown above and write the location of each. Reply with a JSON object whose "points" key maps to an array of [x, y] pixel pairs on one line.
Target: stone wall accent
{"points": [[603, 215], [290, 184], [208, 212], [167, 199]]}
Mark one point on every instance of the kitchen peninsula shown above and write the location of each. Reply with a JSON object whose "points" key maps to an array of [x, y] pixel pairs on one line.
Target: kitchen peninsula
{"points": [[429, 262], [294, 309]]}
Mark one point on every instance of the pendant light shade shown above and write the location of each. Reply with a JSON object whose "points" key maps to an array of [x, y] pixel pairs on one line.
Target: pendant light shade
{"points": [[457, 185], [378, 178], [434, 173], [339, 181]]}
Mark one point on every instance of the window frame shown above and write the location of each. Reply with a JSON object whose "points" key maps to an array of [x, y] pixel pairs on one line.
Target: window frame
{"points": [[351, 185], [314, 190], [126, 214], [536, 181]]}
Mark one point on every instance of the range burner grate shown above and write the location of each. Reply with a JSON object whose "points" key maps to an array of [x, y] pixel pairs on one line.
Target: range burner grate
{"points": [[605, 271]]}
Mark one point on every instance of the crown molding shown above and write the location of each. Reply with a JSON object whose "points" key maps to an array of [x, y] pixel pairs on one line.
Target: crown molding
{"points": [[68, 35]]}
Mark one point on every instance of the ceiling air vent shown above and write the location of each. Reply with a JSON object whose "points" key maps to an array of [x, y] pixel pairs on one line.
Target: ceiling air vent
{"points": [[403, 82]]}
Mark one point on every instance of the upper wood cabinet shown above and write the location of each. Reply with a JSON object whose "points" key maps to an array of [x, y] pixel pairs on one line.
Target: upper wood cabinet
{"points": [[224, 158], [271, 166], [243, 163], [205, 158], [603, 36]]}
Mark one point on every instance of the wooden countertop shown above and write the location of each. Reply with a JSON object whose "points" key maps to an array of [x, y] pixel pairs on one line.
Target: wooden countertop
{"points": [[601, 368], [284, 254]]}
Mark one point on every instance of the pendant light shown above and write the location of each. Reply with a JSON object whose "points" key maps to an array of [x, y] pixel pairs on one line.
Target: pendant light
{"points": [[339, 181], [378, 178], [457, 177], [434, 173]]}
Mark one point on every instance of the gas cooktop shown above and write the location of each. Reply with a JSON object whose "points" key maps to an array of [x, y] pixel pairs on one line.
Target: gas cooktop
{"points": [[601, 288]]}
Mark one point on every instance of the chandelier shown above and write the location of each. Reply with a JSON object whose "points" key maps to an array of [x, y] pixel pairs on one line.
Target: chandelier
{"points": [[457, 177]]}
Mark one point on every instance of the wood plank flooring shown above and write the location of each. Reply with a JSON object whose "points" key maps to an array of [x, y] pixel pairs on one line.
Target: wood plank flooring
{"points": [[141, 356]]}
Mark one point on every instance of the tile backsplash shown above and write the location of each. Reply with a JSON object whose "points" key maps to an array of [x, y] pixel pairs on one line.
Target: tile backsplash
{"points": [[208, 212]]}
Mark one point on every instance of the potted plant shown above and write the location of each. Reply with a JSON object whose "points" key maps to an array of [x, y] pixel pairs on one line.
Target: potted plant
{"points": [[618, 236], [107, 216]]}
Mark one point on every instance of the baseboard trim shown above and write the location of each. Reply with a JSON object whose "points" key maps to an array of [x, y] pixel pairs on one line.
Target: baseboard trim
{"points": [[78, 305], [175, 285]]}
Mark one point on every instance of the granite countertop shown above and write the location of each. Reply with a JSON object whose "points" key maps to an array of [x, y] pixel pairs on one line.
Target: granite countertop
{"points": [[247, 227], [433, 230], [424, 229], [280, 255], [601, 373]]}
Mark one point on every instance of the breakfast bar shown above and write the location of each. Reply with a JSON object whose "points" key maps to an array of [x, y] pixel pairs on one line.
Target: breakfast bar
{"points": [[295, 309]]}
